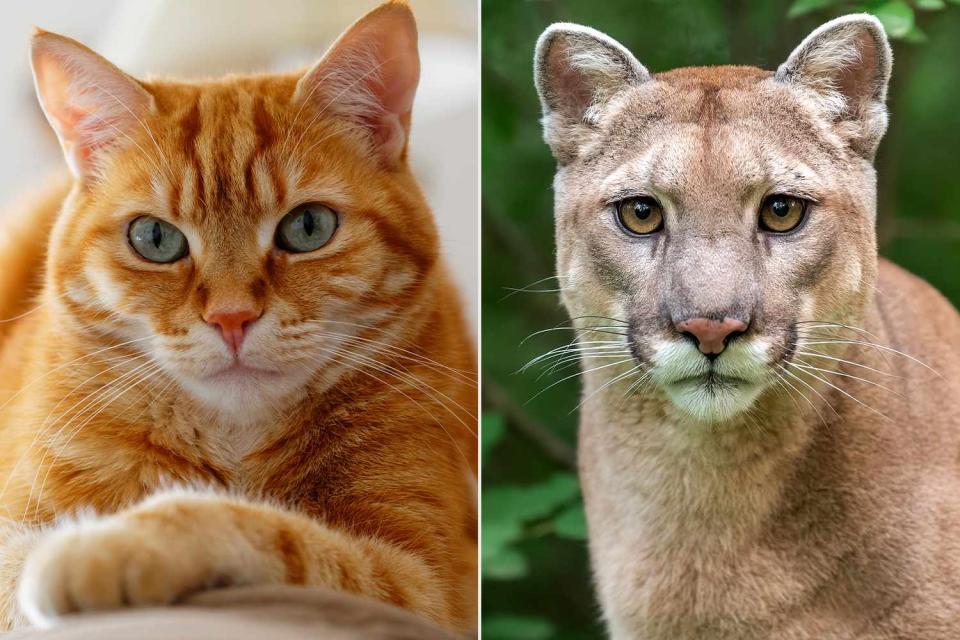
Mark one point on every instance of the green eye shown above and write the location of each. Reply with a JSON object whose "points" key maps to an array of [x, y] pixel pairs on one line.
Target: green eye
{"points": [[156, 240], [306, 228]]}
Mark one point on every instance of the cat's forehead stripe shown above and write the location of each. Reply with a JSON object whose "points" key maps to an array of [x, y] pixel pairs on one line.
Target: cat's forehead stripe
{"points": [[225, 142]]}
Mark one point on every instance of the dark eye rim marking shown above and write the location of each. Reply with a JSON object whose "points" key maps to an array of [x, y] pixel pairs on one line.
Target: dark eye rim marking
{"points": [[618, 215], [281, 245], [801, 223], [156, 237]]}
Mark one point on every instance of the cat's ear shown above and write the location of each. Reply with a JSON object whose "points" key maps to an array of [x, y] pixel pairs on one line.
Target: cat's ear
{"points": [[92, 105], [578, 70], [846, 65], [370, 76]]}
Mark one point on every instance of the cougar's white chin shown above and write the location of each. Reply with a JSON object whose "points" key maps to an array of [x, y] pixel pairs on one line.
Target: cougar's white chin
{"points": [[712, 391], [712, 399]]}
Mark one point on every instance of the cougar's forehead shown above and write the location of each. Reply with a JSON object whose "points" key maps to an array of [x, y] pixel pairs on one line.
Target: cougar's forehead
{"points": [[725, 131]]}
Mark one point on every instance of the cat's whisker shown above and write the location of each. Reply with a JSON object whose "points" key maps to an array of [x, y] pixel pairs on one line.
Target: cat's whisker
{"points": [[447, 372], [469, 374], [40, 429], [363, 370], [60, 367], [419, 384], [104, 401]]}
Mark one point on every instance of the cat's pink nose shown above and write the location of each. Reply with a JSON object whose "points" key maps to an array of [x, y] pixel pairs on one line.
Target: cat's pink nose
{"points": [[711, 335], [233, 325]]}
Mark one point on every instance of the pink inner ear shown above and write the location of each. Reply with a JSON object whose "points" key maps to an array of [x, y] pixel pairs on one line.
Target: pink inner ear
{"points": [[857, 81], [571, 90], [371, 74], [90, 103], [400, 72]]}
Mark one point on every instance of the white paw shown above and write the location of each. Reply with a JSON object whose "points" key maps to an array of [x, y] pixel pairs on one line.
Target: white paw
{"points": [[122, 561]]}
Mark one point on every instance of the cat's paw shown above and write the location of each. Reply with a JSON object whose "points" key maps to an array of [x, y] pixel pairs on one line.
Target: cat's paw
{"points": [[134, 559]]}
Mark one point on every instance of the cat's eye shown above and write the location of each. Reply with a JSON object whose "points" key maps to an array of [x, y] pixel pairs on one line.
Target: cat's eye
{"points": [[156, 240], [306, 228], [781, 213], [640, 216]]}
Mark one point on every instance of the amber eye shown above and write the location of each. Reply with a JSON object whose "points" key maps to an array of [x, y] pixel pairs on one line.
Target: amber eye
{"points": [[640, 216], [780, 213]]}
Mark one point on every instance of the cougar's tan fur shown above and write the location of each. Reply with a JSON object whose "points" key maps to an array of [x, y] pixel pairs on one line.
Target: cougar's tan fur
{"points": [[817, 496]]}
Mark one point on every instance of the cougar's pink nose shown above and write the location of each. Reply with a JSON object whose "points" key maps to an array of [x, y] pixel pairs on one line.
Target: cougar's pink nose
{"points": [[711, 335], [233, 325]]}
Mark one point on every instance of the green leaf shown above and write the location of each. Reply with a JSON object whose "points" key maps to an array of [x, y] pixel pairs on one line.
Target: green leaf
{"points": [[532, 501], [915, 36], [497, 534], [896, 16], [571, 523], [803, 7], [492, 428], [508, 564], [930, 5], [507, 627]]}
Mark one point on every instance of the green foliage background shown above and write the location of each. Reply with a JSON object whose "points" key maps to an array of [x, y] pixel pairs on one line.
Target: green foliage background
{"points": [[536, 580]]}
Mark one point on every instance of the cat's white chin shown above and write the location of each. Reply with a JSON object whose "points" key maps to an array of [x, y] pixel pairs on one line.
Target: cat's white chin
{"points": [[712, 400], [245, 394]]}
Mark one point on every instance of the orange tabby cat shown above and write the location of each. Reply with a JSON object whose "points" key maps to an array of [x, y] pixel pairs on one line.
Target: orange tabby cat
{"points": [[246, 363]]}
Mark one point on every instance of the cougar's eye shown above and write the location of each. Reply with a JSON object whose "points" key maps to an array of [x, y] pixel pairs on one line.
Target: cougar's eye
{"points": [[780, 213], [156, 240], [306, 228], [640, 216]]}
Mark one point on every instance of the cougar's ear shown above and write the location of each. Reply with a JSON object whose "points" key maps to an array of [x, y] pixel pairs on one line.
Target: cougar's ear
{"points": [[369, 76], [578, 70], [846, 64], [92, 105]]}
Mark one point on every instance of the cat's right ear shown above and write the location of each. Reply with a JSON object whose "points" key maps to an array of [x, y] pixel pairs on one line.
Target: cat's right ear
{"points": [[578, 70], [369, 76], [91, 104]]}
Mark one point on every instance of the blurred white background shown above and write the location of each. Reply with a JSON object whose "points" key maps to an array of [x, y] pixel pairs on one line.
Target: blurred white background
{"points": [[195, 39]]}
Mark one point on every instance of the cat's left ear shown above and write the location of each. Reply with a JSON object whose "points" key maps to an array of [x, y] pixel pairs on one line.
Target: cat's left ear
{"points": [[846, 65], [370, 76], [92, 105]]}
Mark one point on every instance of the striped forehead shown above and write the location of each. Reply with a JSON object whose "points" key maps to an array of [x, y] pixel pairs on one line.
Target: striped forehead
{"points": [[223, 148]]}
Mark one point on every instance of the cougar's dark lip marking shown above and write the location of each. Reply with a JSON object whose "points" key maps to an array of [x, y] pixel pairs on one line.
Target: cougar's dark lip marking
{"points": [[710, 379], [789, 345]]}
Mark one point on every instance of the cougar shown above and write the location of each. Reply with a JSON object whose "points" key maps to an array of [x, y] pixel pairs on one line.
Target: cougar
{"points": [[770, 433]]}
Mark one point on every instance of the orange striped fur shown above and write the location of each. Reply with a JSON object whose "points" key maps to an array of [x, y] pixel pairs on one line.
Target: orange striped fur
{"points": [[139, 463]]}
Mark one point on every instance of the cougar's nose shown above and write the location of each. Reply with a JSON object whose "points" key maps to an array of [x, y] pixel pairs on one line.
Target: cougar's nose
{"points": [[711, 335]]}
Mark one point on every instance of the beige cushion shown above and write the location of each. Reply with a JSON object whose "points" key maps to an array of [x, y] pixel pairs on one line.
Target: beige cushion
{"points": [[268, 613]]}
